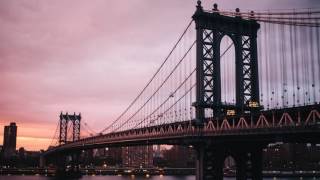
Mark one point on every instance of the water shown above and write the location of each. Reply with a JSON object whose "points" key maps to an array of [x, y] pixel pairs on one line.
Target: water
{"points": [[135, 178]]}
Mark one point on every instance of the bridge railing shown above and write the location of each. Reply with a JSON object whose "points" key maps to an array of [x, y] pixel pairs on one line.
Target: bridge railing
{"points": [[290, 121]]}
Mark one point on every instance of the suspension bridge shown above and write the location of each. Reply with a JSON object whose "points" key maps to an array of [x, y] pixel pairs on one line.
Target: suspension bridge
{"points": [[232, 83]]}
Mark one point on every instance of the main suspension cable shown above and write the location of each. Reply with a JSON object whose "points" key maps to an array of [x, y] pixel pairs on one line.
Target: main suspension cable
{"points": [[166, 79], [149, 82]]}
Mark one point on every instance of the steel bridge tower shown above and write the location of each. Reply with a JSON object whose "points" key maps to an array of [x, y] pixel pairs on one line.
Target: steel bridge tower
{"points": [[210, 29], [64, 121]]}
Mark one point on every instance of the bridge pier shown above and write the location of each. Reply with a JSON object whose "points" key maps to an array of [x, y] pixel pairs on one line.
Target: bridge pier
{"points": [[209, 164], [249, 164], [257, 164], [68, 165], [60, 162], [210, 161]]}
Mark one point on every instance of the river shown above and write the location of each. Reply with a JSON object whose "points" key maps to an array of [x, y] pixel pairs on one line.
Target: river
{"points": [[136, 178]]}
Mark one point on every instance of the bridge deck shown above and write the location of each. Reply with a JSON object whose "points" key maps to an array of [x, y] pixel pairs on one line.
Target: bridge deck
{"points": [[288, 125]]}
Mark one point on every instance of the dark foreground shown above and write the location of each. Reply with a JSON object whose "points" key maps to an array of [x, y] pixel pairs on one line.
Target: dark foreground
{"points": [[138, 178], [138, 173]]}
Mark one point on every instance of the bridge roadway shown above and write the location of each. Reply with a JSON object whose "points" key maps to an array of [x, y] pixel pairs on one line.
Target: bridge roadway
{"points": [[295, 124]]}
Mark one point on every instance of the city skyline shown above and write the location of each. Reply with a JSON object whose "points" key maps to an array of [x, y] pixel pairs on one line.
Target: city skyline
{"points": [[83, 60]]}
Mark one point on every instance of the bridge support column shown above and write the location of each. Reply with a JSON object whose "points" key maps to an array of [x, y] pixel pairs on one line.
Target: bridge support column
{"points": [[257, 164], [60, 162], [209, 164], [210, 161], [75, 163], [68, 165], [249, 163], [241, 166]]}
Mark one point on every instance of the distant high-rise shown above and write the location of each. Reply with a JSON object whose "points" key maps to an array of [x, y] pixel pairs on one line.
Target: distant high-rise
{"points": [[157, 151], [137, 156], [9, 140]]}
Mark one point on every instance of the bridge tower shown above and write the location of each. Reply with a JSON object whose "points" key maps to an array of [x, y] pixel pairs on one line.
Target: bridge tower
{"points": [[211, 27], [64, 122]]}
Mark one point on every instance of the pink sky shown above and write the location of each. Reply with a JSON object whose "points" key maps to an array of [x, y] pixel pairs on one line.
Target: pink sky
{"points": [[87, 56]]}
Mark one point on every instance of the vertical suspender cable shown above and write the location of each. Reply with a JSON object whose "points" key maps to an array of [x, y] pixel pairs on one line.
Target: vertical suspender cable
{"points": [[272, 55], [266, 94], [307, 64], [277, 64], [302, 62], [296, 63], [282, 62], [312, 64], [292, 65], [260, 70], [268, 60], [318, 59]]}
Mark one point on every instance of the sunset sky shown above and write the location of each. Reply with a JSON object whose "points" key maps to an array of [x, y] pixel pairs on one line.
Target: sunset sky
{"points": [[88, 56]]}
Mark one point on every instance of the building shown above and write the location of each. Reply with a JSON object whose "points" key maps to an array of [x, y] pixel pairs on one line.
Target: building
{"points": [[291, 156], [180, 157], [114, 155], [137, 156], [106, 157], [9, 140], [157, 153]]}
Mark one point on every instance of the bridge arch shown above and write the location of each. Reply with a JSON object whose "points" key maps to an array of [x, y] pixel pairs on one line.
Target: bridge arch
{"points": [[229, 165], [227, 68]]}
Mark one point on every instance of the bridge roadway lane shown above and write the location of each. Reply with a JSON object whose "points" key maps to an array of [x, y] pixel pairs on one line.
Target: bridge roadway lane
{"points": [[295, 124]]}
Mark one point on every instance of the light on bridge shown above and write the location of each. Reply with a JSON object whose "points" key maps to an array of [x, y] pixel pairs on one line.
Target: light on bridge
{"points": [[231, 112], [253, 104]]}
